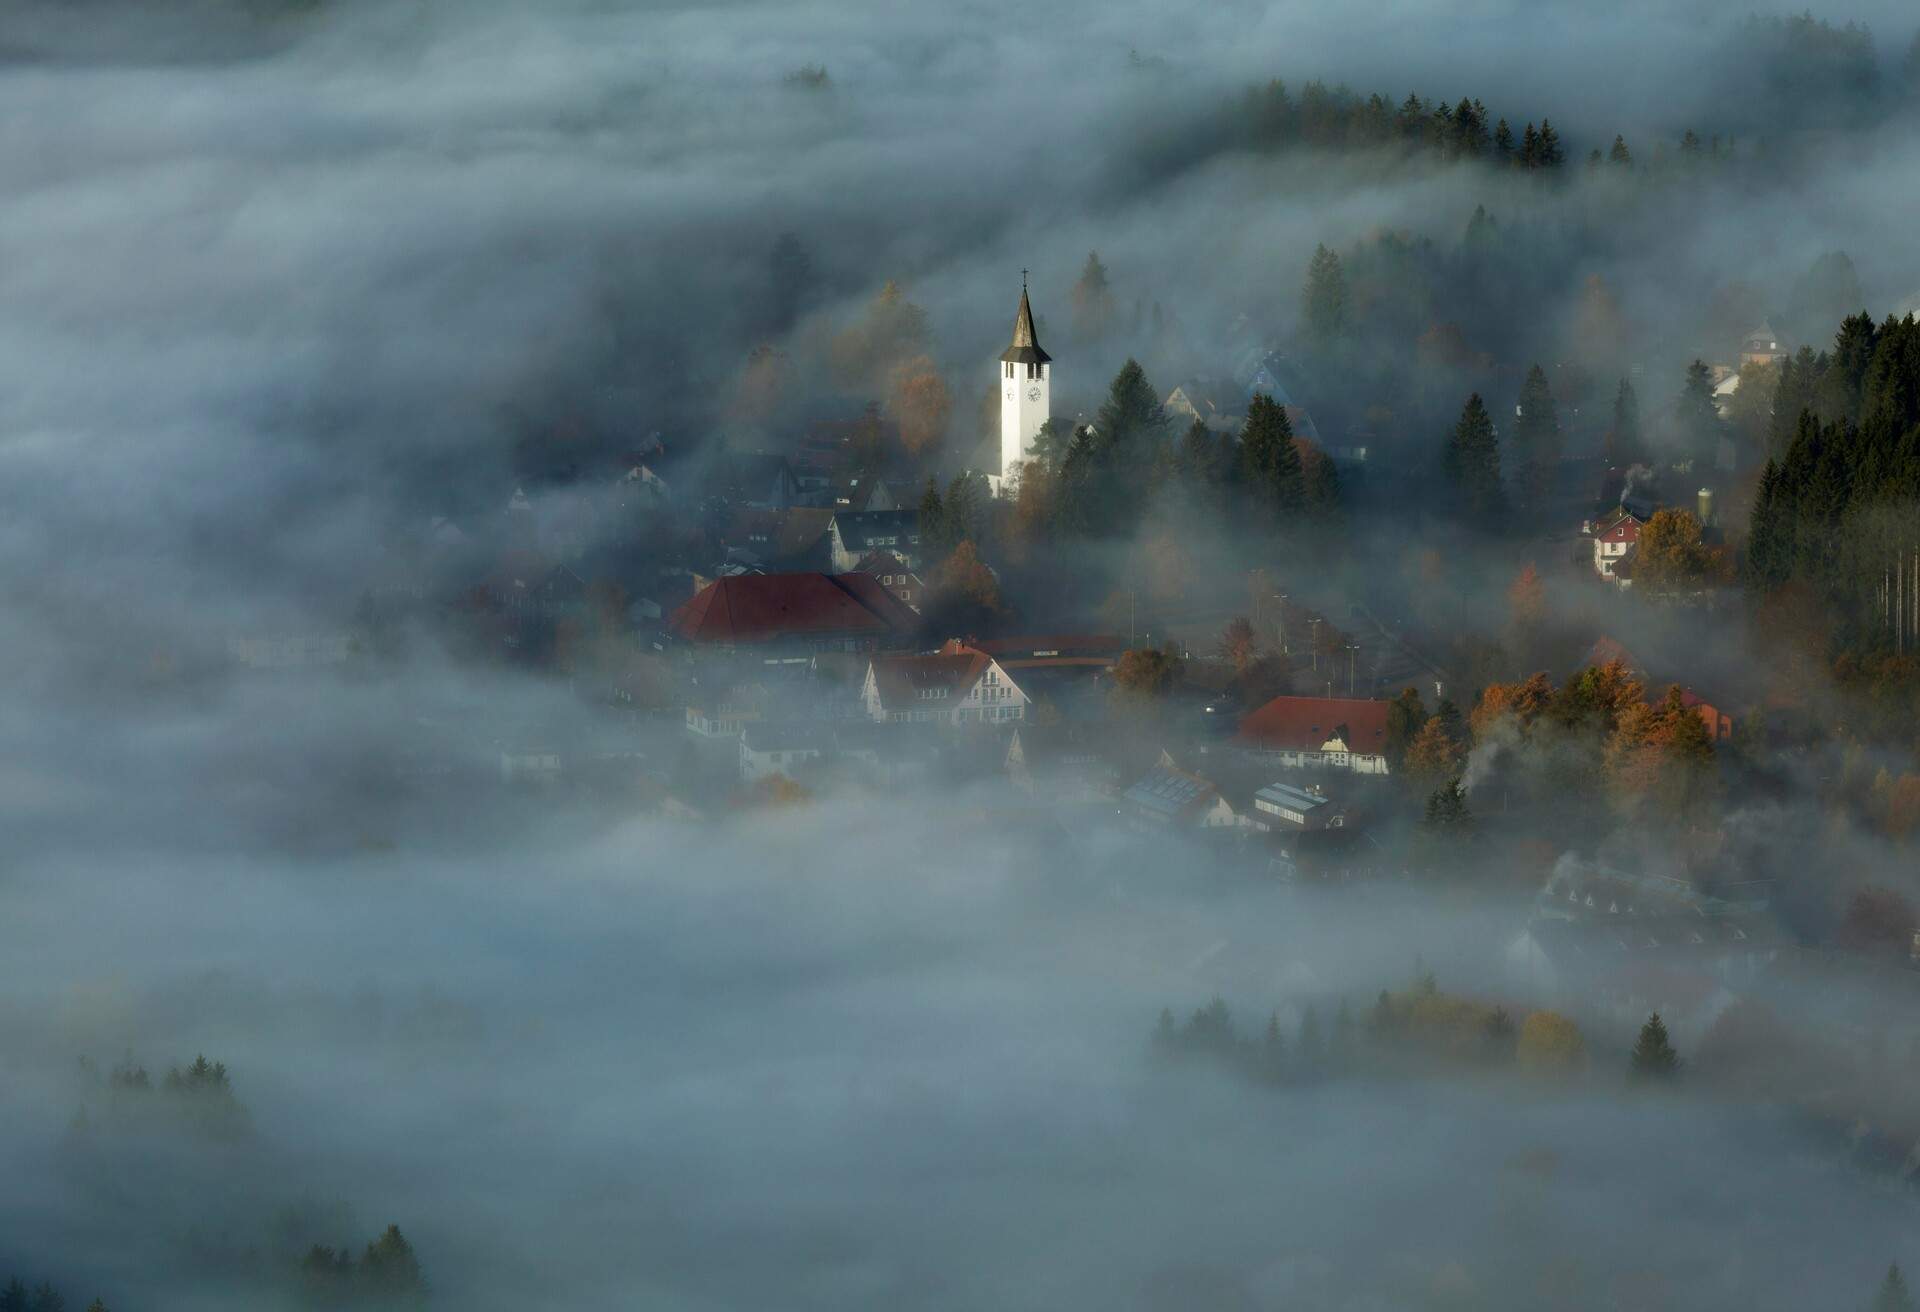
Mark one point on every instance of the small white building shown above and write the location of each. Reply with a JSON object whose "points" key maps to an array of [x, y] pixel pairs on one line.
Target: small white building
{"points": [[767, 749], [1613, 538]]}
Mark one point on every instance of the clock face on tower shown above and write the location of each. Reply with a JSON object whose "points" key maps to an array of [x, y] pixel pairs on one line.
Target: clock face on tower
{"points": [[1033, 394]]}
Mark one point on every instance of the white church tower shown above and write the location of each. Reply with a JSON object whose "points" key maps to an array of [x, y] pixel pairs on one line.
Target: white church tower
{"points": [[1026, 385]]}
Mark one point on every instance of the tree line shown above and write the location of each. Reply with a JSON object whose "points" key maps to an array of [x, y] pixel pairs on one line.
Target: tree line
{"points": [[1416, 1027], [1099, 481]]}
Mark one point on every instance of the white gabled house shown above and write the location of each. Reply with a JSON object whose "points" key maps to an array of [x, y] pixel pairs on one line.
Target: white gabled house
{"points": [[956, 685]]}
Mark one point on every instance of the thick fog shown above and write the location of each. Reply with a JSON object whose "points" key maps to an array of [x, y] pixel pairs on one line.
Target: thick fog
{"points": [[282, 282]]}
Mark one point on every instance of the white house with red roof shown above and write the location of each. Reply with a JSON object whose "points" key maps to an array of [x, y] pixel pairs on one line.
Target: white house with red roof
{"points": [[956, 685], [1613, 538], [1337, 733]]}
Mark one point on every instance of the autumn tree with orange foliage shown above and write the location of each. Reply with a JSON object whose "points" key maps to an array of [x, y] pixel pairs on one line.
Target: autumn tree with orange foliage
{"points": [[918, 401], [1660, 761], [1433, 756], [1669, 555], [1526, 611], [1238, 646], [1518, 703], [963, 596], [892, 329]]}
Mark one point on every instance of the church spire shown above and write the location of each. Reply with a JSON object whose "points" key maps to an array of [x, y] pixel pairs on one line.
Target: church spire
{"points": [[1026, 345]]}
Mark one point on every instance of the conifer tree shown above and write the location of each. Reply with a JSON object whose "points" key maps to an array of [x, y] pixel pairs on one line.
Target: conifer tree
{"points": [[1502, 143], [1270, 474], [933, 519], [1536, 438], [1472, 464], [1619, 155], [1529, 148], [1447, 812], [1131, 422], [1792, 397], [1093, 303], [1697, 416], [1624, 444], [390, 1271], [1653, 1055], [1893, 1295], [1406, 714], [1547, 151], [1325, 308], [1199, 463]]}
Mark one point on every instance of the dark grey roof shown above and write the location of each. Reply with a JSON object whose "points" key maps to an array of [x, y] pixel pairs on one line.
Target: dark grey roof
{"points": [[860, 528], [1026, 346], [1168, 792]]}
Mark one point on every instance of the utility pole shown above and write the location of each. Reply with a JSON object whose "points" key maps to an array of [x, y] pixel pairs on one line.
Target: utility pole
{"points": [[1315, 622]]}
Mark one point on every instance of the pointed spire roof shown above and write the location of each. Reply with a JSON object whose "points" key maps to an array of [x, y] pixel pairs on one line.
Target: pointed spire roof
{"points": [[1026, 345]]}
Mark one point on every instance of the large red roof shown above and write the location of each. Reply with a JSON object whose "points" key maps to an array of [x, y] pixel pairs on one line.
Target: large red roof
{"points": [[769, 607], [901, 679], [1306, 724]]}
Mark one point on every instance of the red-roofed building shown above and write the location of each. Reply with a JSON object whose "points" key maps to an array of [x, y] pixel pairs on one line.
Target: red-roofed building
{"points": [[1613, 538], [1338, 733], [956, 685], [809, 612]]}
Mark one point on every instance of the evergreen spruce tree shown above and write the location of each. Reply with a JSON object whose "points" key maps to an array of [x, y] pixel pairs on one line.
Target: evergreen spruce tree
{"points": [[1624, 444], [14, 1297], [1273, 1052], [1697, 415], [933, 521], [1199, 464], [1769, 544], [1447, 812], [1406, 714], [1471, 465], [1093, 302], [1619, 154], [1529, 148], [1653, 1055], [1893, 1295], [1792, 396], [390, 1271], [1131, 422], [1502, 143], [1270, 476], [1536, 438], [1325, 309], [1547, 151]]}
